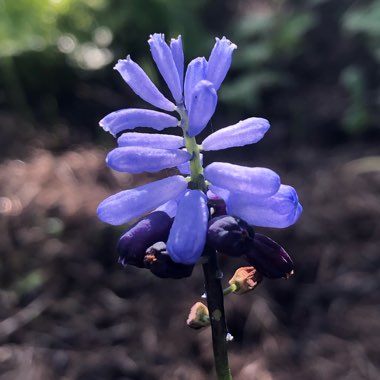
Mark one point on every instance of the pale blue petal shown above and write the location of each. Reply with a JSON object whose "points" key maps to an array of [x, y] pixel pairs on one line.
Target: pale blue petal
{"points": [[127, 205], [187, 236], [185, 167], [136, 159], [280, 210], [131, 118], [220, 61], [203, 104], [261, 182], [140, 83], [163, 57], [196, 71], [152, 140], [245, 132], [178, 56]]}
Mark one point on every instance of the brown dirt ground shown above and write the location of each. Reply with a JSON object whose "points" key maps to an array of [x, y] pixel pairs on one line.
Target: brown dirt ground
{"points": [[68, 311]]}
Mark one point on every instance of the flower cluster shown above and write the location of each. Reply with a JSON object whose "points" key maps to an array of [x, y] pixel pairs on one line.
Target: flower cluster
{"points": [[178, 207]]}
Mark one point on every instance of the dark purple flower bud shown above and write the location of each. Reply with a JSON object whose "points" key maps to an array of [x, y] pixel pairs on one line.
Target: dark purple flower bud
{"points": [[269, 258], [230, 235], [149, 230], [160, 264]]}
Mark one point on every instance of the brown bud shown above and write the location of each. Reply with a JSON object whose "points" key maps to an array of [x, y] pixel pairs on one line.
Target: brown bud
{"points": [[198, 316], [245, 279]]}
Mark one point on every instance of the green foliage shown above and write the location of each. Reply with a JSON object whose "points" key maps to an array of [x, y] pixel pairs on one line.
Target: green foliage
{"points": [[34, 24], [266, 41], [292, 55], [362, 22], [87, 27], [66, 42], [356, 117], [30, 282], [324, 55], [364, 19]]}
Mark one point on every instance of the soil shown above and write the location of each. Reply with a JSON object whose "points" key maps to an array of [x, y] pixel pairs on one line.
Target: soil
{"points": [[69, 311]]}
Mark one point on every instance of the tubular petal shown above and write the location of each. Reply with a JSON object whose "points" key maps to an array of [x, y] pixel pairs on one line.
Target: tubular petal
{"points": [[163, 57], [152, 140], [187, 236], [280, 210], [140, 83], [131, 118], [245, 132], [261, 182], [136, 159], [220, 61], [203, 104], [196, 71], [178, 56], [127, 205]]}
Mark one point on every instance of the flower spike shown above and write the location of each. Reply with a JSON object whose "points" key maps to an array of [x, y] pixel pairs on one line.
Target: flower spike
{"points": [[183, 221], [141, 85], [163, 57]]}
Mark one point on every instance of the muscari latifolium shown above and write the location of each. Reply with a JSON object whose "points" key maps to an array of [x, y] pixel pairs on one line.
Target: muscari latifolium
{"points": [[183, 216]]}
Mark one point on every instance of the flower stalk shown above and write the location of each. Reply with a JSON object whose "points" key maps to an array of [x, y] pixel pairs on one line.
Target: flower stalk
{"points": [[215, 303], [196, 168], [211, 271]]}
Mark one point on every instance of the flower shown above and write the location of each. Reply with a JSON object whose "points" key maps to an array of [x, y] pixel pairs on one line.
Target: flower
{"points": [[251, 195]]}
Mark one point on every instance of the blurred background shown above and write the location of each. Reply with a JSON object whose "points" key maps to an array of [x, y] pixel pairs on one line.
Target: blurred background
{"points": [[67, 310]]}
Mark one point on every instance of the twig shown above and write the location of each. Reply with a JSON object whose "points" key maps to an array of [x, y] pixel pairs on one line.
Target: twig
{"points": [[24, 316]]}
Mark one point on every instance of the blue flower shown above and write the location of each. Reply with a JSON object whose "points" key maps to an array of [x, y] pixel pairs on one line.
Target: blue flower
{"points": [[255, 195]]}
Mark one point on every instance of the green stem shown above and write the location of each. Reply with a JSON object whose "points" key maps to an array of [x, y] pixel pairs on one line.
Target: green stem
{"points": [[196, 169], [231, 289], [215, 305]]}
